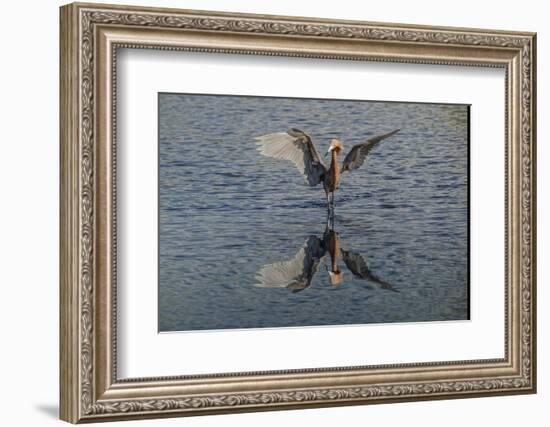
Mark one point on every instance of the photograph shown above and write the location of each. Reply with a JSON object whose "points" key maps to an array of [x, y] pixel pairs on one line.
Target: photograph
{"points": [[290, 212], [265, 208]]}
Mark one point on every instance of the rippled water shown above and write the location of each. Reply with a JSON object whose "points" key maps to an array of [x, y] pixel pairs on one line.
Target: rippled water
{"points": [[226, 212]]}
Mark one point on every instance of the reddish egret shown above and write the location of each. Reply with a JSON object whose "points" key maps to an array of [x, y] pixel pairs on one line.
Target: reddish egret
{"points": [[296, 145]]}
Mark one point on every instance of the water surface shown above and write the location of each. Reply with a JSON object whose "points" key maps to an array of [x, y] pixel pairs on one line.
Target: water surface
{"points": [[226, 212]]}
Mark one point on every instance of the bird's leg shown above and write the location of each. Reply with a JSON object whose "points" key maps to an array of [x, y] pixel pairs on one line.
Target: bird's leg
{"points": [[331, 209], [332, 214], [328, 209]]}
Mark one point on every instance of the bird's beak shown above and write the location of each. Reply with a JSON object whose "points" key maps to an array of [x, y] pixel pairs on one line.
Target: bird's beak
{"points": [[328, 151]]}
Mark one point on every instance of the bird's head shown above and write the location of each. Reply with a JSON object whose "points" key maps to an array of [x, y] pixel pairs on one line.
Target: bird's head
{"points": [[336, 146], [336, 277]]}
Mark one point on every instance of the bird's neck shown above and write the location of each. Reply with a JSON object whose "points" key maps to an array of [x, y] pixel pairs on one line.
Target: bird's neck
{"points": [[334, 161], [334, 263], [334, 250]]}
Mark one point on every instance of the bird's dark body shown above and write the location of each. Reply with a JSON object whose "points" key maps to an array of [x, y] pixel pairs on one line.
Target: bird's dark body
{"points": [[332, 177]]}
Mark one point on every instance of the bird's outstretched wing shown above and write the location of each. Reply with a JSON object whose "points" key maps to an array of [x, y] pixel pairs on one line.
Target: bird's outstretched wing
{"points": [[296, 146], [358, 266], [297, 273], [356, 157]]}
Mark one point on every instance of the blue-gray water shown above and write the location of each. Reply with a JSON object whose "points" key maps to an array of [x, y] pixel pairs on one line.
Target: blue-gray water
{"points": [[226, 212]]}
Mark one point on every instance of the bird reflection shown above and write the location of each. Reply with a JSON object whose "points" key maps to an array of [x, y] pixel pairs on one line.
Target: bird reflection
{"points": [[297, 273]]}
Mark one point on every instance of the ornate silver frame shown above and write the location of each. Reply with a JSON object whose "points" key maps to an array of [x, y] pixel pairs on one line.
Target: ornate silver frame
{"points": [[90, 36]]}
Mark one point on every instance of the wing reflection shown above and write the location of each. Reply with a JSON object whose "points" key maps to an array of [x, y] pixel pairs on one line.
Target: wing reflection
{"points": [[297, 273], [359, 268]]}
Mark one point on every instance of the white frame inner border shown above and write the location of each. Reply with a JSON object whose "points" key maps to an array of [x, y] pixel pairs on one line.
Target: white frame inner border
{"points": [[143, 352]]}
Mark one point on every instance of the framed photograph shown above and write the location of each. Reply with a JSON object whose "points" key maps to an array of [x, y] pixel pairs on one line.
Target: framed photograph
{"points": [[267, 212]]}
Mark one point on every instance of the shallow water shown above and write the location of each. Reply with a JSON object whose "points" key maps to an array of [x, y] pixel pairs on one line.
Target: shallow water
{"points": [[226, 212]]}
